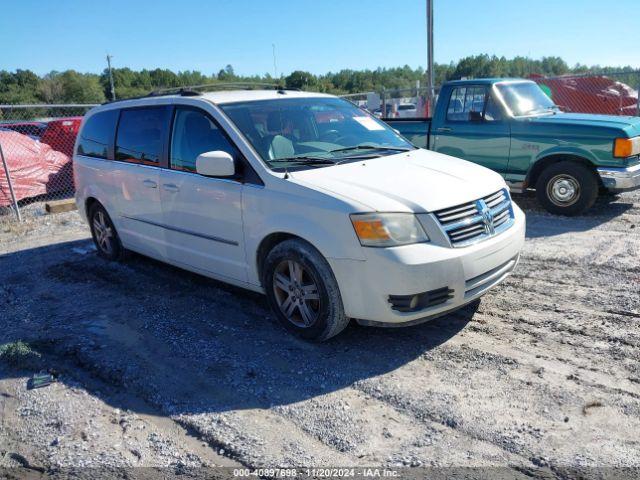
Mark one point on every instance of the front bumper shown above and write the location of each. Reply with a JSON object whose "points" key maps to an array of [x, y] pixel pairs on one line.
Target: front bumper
{"points": [[412, 269], [620, 179]]}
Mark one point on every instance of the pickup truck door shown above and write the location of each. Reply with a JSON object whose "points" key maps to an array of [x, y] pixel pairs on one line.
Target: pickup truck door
{"points": [[473, 126]]}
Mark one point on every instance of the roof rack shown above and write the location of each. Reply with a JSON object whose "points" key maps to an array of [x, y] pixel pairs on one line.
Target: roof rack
{"points": [[195, 90]]}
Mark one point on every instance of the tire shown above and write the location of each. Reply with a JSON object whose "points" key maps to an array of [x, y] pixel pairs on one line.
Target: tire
{"points": [[108, 244], [296, 264], [567, 188]]}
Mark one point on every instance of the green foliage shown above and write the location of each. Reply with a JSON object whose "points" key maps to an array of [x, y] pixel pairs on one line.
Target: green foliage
{"points": [[301, 80], [19, 355], [24, 86]]}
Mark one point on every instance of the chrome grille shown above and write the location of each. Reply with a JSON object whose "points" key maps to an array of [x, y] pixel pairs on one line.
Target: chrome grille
{"points": [[478, 220]]}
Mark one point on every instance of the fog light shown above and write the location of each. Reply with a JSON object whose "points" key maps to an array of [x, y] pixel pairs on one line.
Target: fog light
{"points": [[420, 301], [414, 302]]}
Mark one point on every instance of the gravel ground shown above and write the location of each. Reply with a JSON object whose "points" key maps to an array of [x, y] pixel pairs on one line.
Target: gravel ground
{"points": [[162, 368]]}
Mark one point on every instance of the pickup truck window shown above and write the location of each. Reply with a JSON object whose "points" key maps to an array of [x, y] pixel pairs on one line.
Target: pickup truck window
{"points": [[466, 104], [525, 98]]}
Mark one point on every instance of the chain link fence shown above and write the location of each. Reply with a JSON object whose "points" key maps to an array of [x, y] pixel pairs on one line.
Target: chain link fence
{"points": [[36, 149], [36, 141], [613, 93], [395, 103]]}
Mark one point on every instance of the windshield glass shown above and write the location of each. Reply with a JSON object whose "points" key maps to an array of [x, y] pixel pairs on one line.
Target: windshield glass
{"points": [[525, 98], [312, 132]]}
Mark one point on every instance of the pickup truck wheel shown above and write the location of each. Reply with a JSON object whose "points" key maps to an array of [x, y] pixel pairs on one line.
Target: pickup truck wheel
{"points": [[567, 188], [302, 291], [104, 234]]}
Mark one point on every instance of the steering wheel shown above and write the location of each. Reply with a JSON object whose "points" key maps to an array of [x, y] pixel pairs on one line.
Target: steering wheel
{"points": [[330, 136]]}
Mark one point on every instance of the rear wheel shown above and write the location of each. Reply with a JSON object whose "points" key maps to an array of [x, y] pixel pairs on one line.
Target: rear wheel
{"points": [[567, 188], [104, 234], [302, 291]]}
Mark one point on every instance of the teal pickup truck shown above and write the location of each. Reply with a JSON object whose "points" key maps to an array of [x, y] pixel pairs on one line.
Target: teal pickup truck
{"points": [[511, 126]]}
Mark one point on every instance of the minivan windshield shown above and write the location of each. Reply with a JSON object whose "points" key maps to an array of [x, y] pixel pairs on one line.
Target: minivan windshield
{"points": [[525, 98], [312, 132]]}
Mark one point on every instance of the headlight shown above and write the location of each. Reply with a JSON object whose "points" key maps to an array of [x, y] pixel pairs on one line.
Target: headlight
{"points": [[626, 147], [388, 229]]}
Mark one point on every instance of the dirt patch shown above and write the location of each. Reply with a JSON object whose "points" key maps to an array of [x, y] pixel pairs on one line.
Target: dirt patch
{"points": [[159, 367]]}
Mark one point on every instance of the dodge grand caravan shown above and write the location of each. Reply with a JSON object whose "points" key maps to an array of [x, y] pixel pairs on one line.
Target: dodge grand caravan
{"points": [[302, 196]]}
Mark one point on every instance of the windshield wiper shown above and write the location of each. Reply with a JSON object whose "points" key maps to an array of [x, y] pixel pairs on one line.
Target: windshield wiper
{"points": [[304, 160], [370, 147]]}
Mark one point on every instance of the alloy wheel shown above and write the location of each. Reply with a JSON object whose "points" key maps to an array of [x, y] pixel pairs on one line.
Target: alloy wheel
{"points": [[103, 232], [296, 293]]}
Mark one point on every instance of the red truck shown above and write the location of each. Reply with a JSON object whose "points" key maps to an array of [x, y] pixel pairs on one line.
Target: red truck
{"points": [[38, 164], [590, 94]]}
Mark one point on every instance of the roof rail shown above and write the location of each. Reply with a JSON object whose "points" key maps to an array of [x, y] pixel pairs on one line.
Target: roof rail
{"points": [[195, 90]]}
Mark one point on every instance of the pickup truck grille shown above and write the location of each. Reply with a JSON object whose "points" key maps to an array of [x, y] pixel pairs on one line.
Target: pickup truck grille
{"points": [[478, 220]]}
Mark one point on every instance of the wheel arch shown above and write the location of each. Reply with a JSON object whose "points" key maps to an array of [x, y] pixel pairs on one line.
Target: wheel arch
{"points": [[269, 242], [544, 162], [88, 203]]}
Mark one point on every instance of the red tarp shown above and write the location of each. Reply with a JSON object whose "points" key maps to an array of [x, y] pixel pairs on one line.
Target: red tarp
{"points": [[35, 168]]}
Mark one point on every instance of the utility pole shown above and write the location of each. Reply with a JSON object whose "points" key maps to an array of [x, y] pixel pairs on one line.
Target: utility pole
{"points": [[113, 90], [430, 76], [275, 66]]}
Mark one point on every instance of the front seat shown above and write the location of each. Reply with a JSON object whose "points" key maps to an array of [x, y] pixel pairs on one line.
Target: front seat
{"points": [[279, 145]]}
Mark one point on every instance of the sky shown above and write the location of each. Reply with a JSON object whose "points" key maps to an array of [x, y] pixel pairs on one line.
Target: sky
{"points": [[314, 35]]}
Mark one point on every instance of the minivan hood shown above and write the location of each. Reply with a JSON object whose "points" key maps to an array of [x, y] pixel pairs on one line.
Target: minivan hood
{"points": [[415, 181], [630, 125]]}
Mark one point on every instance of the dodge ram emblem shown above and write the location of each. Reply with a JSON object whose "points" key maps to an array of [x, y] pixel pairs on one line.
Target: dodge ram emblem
{"points": [[487, 217]]}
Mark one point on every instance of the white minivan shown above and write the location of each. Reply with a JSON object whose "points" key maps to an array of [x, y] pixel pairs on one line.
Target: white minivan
{"points": [[302, 196]]}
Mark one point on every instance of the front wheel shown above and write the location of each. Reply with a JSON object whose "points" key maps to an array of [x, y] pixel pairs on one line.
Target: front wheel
{"points": [[567, 188], [302, 291]]}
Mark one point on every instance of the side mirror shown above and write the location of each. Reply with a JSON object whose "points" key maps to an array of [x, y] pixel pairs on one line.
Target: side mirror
{"points": [[215, 164]]}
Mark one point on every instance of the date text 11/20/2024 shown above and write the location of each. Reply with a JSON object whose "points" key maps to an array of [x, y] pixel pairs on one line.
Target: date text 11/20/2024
{"points": [[316, 472]]}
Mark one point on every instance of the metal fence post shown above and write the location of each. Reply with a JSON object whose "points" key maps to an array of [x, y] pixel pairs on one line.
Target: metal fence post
{"points": [[638, 93], [383, 107], [13, 195]]}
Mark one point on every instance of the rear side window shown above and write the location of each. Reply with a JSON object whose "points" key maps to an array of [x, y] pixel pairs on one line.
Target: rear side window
{"points": [[97, 134], [466, 104], [195, 133], [140, 135]]}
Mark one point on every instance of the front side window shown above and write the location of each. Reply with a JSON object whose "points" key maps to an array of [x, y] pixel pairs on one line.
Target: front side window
{"points": [[314, 131], [466, 104], [526, 98], [194, 133], [140, 134], [97, 134]]}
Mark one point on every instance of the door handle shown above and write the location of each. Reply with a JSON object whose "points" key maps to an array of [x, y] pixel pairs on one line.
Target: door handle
{"points": [[150, 184], [444, 129], [170, 187]]}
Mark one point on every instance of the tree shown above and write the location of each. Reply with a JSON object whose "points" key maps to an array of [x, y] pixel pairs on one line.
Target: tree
{"points": [[81, 88], [300, 79], [227, 74]]}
